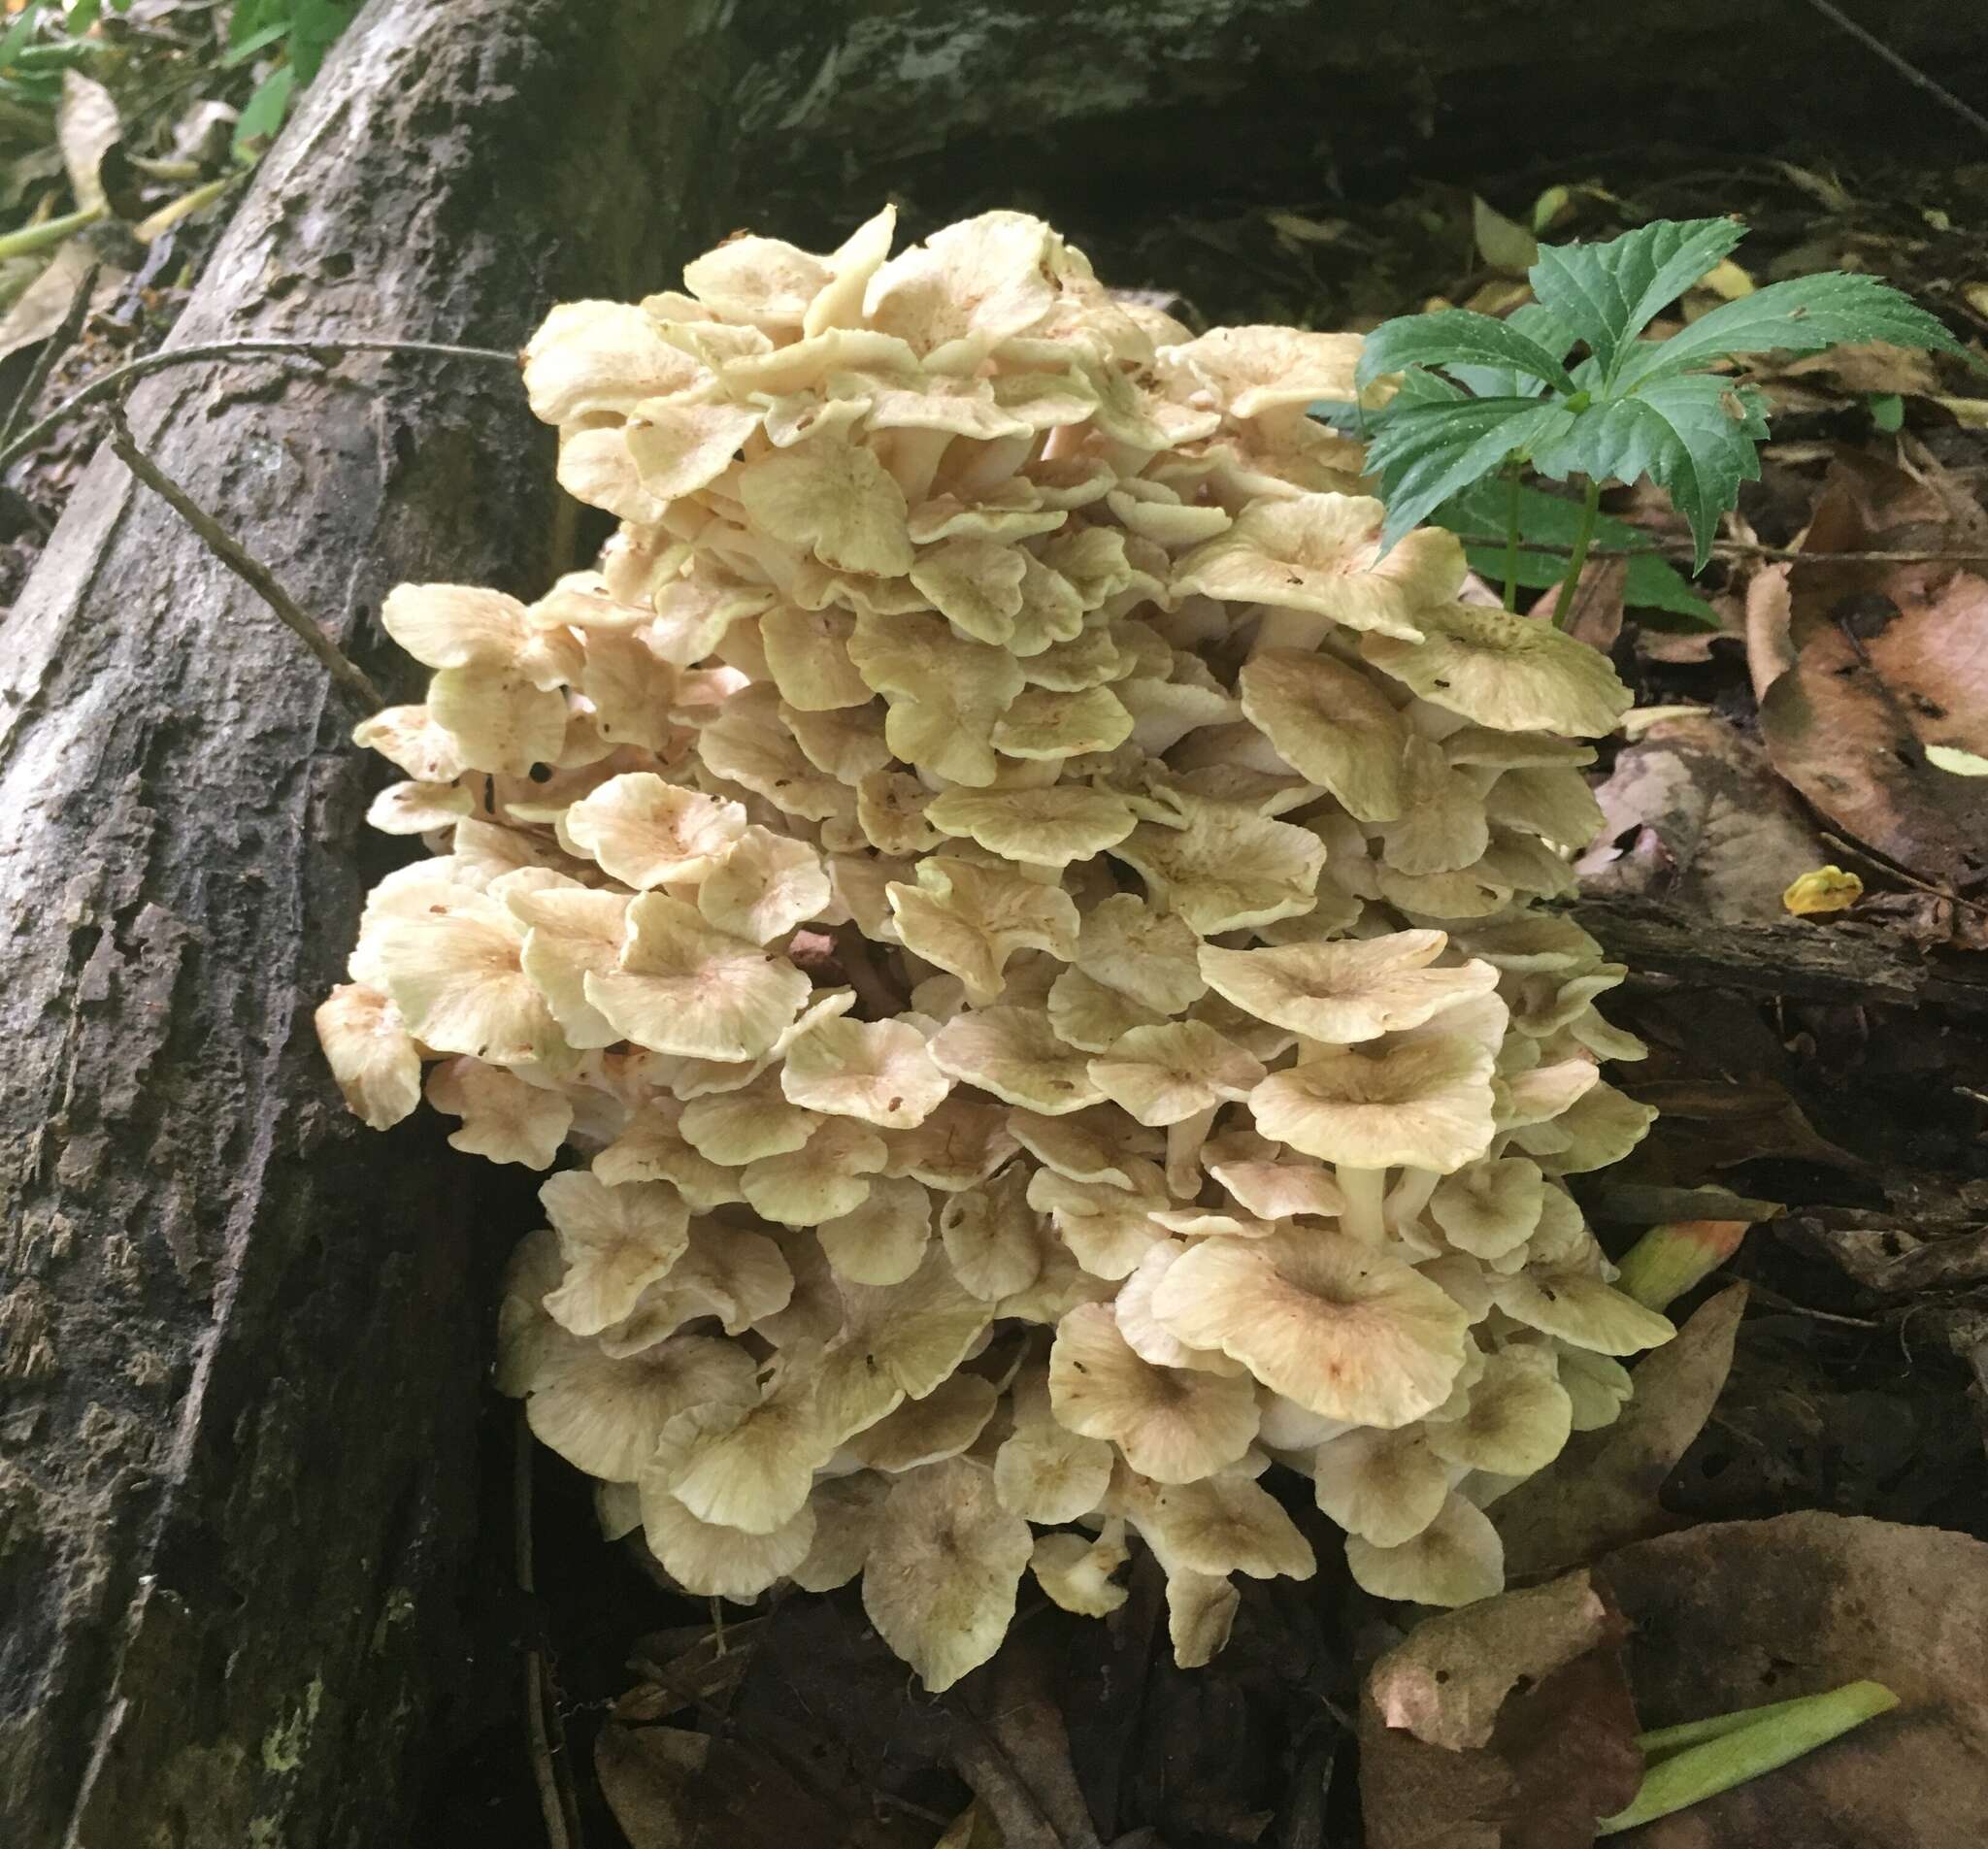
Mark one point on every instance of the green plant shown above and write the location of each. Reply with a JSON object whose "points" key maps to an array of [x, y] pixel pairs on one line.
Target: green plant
{"points": [[1482, 398], [306, 29]]}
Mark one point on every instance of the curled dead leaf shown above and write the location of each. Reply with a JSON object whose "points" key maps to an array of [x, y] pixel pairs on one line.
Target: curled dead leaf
{"points": [[1604, 1489], [1506, 1724]]}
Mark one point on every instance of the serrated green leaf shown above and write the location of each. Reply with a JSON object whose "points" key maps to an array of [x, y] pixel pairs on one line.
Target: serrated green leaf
{"points": [[1607, 293], [1801, 315], [1425, 453], [1454, 337], [1694, 435], [1498, 382]]}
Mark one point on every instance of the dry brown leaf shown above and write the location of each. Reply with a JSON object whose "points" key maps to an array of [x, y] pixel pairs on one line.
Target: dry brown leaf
{"points": [[1603, 1490], [1508, 1725], [86, 128], [1737, 1614], [1878, 677], [1770, 654], [39, 309], [1694, 817]]}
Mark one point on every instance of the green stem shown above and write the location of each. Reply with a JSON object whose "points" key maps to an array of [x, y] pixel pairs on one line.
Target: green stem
{"points": [[1583, 536], [1511, 504], [32, 238], [1784, 1732]]}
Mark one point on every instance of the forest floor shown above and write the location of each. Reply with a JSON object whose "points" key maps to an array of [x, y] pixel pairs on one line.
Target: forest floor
{"points": [[1822, 1079]]}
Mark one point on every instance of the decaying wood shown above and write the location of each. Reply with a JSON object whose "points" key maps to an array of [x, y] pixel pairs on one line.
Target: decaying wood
{"points": [[241, 1339], [1832, 961]]}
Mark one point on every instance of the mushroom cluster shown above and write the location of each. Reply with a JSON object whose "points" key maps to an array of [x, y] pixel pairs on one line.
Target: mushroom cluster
{"points": [[1013, 922]]}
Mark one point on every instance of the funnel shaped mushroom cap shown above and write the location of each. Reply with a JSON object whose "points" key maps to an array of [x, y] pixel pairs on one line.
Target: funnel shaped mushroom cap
{"points": [[1510, 672], [1457, 1560], [1517, 1420], [371, 1054], [941, 1580], [1385, 1487], [1174, 1425], [1419, 1104], [1326, 1320], [1252, 370], [1330, 724], [1321, 552], [1350, 990], [686, 988]]}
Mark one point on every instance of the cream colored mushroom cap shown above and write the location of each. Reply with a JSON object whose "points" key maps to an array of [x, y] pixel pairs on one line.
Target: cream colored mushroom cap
{"points": [[504, 1118], [920, 1432], [1510, 672], [1044, 828], [1518, 1418], [646, 832], [1220, 1525], [1076, 1569], [603, 1415], [1350, 990], [877, 1071], [1174, 1425], [1581, 1310], [882, 1241], [1252, 370], [1166, 1073], [991, 1235], [588, 357], [686, 988], [1323, 1319], [1457, 1560], [1419, 1104], [1014, 1053], [371, 1054], [1385, 1487], [1321, 552], [1489, 1208], [941, 1580], [1331, 724], [847, 1512], [834, 497], [711, 1561], [617, 1241]]}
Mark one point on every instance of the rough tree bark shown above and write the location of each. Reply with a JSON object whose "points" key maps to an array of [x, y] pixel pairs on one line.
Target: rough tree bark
{"points": [[241, 1340]]}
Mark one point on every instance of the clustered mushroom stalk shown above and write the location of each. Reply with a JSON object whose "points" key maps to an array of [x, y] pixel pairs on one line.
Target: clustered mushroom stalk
{"points": [[1012, 925]]}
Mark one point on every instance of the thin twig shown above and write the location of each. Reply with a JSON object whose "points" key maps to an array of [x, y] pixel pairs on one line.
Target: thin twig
{"points": [[1739, 548], [328, 351], [53, 348], [543, 1729], [1911, 71], [238, 559]]}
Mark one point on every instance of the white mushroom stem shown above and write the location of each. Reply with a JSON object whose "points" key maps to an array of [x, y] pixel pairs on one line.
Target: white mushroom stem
{"points": [[1183, 1152], [1300, 629], [1409, 1196], [1366, 1192], [986, 466], [912, 457]]}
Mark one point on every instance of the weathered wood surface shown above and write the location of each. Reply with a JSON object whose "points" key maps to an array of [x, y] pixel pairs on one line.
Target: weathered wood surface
{"points": [[239, 1337]]}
